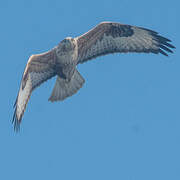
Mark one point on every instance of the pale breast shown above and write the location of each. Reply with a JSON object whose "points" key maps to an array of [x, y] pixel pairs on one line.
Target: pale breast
{"points": [[67, 53]]}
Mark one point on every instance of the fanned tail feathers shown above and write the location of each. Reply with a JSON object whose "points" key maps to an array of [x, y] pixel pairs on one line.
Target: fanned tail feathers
{"points": [[64, 88]]}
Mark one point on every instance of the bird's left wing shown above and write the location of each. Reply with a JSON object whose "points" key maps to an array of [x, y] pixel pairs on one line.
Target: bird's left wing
{"points": [[109, 37], [39, 68]]}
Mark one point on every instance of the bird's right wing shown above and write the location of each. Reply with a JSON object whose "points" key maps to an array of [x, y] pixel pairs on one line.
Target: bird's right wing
{"points": [[39, 68]]}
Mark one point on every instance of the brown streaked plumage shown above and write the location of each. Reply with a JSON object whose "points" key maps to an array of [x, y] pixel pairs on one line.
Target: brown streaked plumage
{"points": [[105, 38]]}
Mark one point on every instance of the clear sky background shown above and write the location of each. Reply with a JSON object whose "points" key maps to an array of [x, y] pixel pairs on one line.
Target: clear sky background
{"points": [[124, 124]]}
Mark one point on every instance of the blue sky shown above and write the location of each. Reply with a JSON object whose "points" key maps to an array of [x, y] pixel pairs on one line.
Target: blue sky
{"points": [[123, 124]]}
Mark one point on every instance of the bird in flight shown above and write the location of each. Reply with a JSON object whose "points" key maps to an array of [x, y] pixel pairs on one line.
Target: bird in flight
{"points": [[61, 61]]}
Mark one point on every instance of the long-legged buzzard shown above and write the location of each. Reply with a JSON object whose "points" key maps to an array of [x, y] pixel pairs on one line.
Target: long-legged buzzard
{"points": [[61, 61]]}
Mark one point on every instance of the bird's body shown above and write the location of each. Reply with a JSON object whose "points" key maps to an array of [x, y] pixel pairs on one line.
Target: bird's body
{"points": [[105, 38], [66, 58]]}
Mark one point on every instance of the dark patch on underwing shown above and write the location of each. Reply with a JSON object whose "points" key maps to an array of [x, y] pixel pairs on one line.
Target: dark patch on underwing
{"points": [[117, 30]]}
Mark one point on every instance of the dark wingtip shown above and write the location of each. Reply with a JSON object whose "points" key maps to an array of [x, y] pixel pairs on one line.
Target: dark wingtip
{"points": [[162, 39], [15, 103], [169, 45], [163, 43], [165, 48], [15, 120], [162, 52]]}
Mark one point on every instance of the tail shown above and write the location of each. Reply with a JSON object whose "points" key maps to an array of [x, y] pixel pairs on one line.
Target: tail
{"points": [[64, 89]]}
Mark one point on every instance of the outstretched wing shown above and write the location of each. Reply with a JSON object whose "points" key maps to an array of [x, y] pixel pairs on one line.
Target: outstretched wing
{"points": [[39, 68], [108, 37]]}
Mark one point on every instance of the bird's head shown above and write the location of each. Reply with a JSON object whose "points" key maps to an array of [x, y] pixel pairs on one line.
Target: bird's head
{"points": [[66, 45]]}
